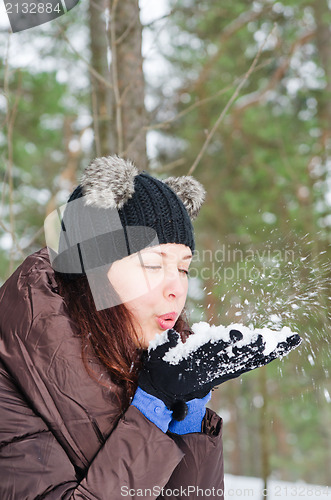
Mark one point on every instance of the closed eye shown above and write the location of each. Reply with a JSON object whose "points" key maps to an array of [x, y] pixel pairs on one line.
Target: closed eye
{"points": [[154, 268]]}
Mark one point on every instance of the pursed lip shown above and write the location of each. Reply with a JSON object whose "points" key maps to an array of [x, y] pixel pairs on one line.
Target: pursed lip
{"points": [[170, 315], [167, 321]]}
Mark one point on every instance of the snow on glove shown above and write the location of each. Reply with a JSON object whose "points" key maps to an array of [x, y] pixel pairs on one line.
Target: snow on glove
{"points": [[218, 354], [177, 372], [165, 381]]}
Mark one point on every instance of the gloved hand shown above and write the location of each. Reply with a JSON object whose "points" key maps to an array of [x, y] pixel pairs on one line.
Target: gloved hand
{"points": [[175, 372], [168, 382]]}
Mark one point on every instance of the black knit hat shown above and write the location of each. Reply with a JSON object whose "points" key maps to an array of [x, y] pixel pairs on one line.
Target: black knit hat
{"points": [[116, 211]]}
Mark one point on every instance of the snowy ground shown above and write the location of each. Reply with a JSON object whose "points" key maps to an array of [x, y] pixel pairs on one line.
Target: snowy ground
{"points": [[252, 488]]}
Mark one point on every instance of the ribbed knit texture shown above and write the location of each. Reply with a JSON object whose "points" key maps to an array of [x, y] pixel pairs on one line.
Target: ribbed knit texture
{"points": [[153, 205]]}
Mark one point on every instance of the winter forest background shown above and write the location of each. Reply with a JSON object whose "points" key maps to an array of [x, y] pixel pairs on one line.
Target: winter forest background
{"points": [[238, 94]]}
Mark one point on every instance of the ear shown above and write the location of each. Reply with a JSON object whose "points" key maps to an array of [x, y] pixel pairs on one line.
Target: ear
{"points": [[108, 182], [190, 191]]}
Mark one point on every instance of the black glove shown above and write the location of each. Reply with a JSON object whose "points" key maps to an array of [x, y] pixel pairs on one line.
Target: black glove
{"points": [[174, 376], [170, 383]]}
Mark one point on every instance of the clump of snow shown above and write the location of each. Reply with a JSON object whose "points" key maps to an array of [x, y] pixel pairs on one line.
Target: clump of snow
{"points": [[203, 333], [159, 339]]}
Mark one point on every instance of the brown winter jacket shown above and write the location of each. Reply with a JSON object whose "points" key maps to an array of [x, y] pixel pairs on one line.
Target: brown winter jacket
{"points": [[60, 433]]}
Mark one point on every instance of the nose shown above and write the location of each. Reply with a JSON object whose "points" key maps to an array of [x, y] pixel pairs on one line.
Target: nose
{"points": [[174, 284]]}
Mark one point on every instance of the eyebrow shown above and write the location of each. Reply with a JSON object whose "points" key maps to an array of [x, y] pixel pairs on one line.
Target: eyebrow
{"points": [[163, 254]]}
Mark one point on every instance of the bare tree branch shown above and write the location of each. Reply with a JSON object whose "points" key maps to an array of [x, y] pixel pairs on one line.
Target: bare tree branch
{"points": [[128, 29], [165, 16], [93, 72], [165, 124], [256, 97], [228, 105], [226, 34], [97, 6], [201, 102], [170, 166]]}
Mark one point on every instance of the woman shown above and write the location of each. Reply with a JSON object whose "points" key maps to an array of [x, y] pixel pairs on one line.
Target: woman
{"points": [[90, 408], [74, 324]]}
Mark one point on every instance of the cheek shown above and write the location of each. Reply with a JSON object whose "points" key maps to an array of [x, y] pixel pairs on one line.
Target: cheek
{"points": [[143, 305], [185, 289], [136, 285]]}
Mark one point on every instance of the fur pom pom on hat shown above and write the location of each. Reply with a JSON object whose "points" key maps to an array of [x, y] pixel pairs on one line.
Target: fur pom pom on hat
{"points": [[190, 191], [108, 182], [112, 184]]}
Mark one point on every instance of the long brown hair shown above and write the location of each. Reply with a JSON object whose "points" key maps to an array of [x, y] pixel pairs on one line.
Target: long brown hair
{"points": [[109, 332]]}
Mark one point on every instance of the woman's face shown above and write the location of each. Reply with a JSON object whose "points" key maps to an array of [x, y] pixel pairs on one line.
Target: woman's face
{"points": [[153, 285]]}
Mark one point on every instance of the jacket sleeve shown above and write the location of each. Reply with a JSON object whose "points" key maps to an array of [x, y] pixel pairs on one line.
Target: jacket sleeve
{"points": [[200, 474], [59, 438], [34, 465]]}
